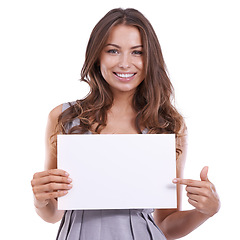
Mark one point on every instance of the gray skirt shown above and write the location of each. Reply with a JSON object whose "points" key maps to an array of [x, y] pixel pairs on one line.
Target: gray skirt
{"points": [[123, 224]]}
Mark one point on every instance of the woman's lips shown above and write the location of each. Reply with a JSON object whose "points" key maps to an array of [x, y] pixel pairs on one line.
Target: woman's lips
{"points": [[124, 77]]}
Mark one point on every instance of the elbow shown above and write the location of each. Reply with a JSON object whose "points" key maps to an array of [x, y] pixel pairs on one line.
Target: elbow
{"points": [[49, 218], [52, 220]]}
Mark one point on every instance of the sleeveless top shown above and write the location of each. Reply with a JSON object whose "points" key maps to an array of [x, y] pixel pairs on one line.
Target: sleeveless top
{"points": [[110, 224]]}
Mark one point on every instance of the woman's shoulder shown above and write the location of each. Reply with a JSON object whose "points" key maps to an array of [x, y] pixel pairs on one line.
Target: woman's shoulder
{"points": [[55, 112]]}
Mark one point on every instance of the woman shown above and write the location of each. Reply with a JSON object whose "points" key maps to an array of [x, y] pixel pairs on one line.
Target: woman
{"points": [[130, 93]]}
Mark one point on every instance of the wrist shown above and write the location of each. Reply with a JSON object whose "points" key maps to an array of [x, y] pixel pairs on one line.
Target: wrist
{"points": [[40, 204], [202, 215]]}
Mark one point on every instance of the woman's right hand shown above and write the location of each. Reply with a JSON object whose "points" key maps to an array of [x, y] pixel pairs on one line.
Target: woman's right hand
{"points": [[50, 184]]}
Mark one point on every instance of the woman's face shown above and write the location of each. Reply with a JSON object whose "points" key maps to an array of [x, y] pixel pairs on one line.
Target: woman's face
{"points": [[121, 60]]}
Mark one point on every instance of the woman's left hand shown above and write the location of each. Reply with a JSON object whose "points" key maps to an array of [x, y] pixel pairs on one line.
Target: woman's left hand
{"points": [[201, 194]]}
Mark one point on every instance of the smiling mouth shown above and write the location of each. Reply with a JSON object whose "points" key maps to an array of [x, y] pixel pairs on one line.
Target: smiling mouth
{"points": [[124, 75]]}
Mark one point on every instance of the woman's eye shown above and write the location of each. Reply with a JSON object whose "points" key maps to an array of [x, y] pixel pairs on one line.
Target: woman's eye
{"points": [[113, 51], [137, 52]]}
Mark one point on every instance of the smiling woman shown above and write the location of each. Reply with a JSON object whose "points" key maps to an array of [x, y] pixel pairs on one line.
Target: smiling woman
{"points": [[121, 61], [130, 93]]}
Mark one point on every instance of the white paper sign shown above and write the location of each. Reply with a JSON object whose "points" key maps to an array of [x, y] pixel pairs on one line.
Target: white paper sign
{"points": [[119, 171]]}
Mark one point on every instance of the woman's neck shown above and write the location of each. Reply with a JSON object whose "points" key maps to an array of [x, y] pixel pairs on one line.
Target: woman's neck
{"points": [[122, 104], [121, 117]]}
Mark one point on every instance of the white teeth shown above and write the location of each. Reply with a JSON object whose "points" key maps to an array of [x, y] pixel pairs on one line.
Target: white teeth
{"points": [[124, 75]]}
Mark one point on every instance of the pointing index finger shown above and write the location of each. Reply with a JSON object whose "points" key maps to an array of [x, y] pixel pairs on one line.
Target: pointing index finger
{"points": [[188, 182]]}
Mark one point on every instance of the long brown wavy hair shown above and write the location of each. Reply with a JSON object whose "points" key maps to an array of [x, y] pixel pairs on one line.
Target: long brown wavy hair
{"points": [[153, 97]]}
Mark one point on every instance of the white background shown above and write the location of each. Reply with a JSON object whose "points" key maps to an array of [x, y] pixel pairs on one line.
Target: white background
{"points": [[42, 47]]}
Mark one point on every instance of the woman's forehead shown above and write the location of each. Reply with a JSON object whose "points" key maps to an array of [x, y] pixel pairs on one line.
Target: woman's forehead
{"points": [[123, 34]]}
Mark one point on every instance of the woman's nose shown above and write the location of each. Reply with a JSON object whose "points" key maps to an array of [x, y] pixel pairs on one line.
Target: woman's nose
{"points": [[124, 61]]}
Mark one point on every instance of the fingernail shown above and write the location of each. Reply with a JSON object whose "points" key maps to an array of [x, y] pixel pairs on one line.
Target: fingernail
{"points": [[66, 174], [174, 180], [69, 185], [69, 180]]}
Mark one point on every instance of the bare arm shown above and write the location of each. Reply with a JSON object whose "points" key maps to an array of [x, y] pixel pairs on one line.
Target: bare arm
{"points": [[180, 223], [52, 183], [202, 195]]}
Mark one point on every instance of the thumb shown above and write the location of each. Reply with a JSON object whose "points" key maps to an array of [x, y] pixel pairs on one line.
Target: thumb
{"points": [[204, 174]]}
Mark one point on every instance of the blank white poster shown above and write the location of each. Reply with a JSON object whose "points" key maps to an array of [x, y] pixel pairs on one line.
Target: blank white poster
{"points": [[119, 171]]}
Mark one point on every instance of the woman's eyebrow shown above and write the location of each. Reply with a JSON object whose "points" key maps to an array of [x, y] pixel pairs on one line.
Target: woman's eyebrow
{"points": [[138, 46], [113, 45], [117, 46]]}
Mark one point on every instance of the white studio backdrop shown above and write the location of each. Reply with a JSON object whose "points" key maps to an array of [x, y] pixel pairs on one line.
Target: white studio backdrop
{"points": [[42, 49]]}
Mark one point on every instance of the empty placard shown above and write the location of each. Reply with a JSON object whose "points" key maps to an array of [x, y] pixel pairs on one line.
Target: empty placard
{"points": [[118, 171]]}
